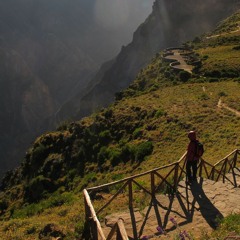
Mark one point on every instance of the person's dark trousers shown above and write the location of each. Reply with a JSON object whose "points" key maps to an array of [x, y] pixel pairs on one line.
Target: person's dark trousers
{"points": [[191, 168]]}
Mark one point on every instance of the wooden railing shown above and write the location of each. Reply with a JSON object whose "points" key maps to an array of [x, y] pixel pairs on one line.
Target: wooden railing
{"points": [[93, 230], [165, 178], [225, 168]]}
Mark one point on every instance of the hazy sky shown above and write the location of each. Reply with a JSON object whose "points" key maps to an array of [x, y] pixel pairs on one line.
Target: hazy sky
{"points": [[125, 15], [118, 13]]}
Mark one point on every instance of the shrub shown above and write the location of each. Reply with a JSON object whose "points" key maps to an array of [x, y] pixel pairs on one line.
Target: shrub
{"points": [[231, 223], [237, 80], [117, 176], [236, 47], [77, 161], [228, 225], [141, 84], [205, 57], [102, 155], [31, 230], [105, 137], [119, 96], [142, 150], [222, 94], [230, 73], [159, 113], [90, 177], [214, 74], [79, 229], [137, 133], [184, 76], [37, 188], [204, 96], [38, 155], [211, 80], [3, 205], [126, 153], [196, 40], [167, 74], [29, 210], [108, 113], [63, 125], [60, 199], [115, 155]]}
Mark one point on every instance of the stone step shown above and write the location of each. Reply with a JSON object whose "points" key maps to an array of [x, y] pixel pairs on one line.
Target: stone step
{"points": [[196, 208]]}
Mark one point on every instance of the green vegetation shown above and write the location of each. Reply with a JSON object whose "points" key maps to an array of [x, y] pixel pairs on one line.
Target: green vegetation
{"points": [[228, 25], [144, 128], [228, 227]]}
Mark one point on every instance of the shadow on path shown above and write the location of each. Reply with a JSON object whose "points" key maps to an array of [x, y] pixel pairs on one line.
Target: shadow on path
{"points": [[209, 212]]}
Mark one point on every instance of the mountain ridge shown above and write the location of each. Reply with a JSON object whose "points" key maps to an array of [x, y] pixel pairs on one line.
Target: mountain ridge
{"points": [[157, 33], [62, 45], [146, 127]]}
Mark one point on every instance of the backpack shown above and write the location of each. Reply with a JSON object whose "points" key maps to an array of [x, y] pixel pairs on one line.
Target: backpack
{"points": [[199, 149]]}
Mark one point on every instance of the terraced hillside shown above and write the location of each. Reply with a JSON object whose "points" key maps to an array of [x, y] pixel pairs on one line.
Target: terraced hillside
{"points": [[144, 128]]}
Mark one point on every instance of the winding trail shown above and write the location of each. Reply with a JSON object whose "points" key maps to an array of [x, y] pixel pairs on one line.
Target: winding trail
{"points": [[182, 63], [223, 34], [224, 105]]}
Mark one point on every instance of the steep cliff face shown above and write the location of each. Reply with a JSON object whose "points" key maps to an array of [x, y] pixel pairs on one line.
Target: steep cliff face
{"points": [[25, 101], [171, 23], [49, 50], [42, 60], [48, 37]]}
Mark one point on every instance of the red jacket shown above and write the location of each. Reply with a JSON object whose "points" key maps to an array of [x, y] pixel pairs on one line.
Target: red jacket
{"points": [[191, 151]]}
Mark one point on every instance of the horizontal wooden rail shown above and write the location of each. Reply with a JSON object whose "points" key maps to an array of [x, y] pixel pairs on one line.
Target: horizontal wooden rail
{"points": [[214, 172], [137, 175], [235, 151]]}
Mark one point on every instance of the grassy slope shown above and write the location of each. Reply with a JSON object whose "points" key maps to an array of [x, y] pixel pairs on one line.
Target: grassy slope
{"points": [[188, 106], [158, 110]]}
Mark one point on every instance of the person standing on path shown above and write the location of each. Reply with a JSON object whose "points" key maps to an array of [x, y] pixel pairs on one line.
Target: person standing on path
{"points": [[192, 158]]}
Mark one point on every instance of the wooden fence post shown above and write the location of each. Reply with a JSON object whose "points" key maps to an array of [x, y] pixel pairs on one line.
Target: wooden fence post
{"points": [[94, 224], [200, 168], [153, 185], [176, 176], [224, 169], [130, 192], [87, 227], [235, 159], [94, 230], [213, 172]]}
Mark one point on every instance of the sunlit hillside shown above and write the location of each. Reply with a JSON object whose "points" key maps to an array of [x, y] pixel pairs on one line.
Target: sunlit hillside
{"points": [[144, 128]]}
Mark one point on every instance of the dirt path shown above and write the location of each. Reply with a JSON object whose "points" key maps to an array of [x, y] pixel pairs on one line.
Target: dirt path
{"points": [[194, 210], [223, 34], [223, 105], [182, 63]]}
